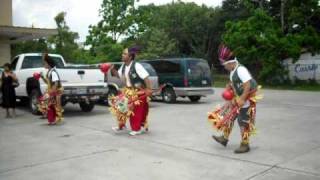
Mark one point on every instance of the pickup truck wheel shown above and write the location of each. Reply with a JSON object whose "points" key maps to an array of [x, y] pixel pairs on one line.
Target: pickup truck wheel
{"points": [[153, 98], [85, 107], [34, 102], [111, 92], [24, 101], [194, 98], [168, 95]]}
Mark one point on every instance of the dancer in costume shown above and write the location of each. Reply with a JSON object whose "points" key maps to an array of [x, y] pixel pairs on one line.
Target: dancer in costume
{"points": [[51, 100], [242, 107], [132, 102]]}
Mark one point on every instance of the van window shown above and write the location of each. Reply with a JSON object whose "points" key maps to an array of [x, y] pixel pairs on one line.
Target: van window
{"points": [[198, 68], [166, 66], [149, 69]]}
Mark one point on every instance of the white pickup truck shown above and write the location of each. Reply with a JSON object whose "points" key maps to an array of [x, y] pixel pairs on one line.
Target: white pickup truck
{"points": [[83, 85]]}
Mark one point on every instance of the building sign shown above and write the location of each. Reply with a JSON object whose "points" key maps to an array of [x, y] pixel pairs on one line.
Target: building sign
{"points": [[306, 68], [302, 68]]}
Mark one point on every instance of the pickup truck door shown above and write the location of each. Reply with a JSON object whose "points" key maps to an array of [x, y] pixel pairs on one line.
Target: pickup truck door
{"points": [[24, 70]]}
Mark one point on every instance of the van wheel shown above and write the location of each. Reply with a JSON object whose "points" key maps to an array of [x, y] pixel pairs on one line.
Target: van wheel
{"points": [[63, 102], [168, 95], [86, 107], [194, 98], [112, 92], [34, 102]]}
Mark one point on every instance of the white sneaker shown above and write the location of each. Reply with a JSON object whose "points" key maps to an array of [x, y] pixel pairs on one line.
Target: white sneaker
{"points": [[117, 129], [134, 133], [144, 130]]}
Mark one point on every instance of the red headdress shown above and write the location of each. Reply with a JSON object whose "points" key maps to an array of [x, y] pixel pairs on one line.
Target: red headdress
{"points": [[226, 55]]}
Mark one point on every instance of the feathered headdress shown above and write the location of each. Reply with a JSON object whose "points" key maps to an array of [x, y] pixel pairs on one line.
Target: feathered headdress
{"points": [[226, 55]]}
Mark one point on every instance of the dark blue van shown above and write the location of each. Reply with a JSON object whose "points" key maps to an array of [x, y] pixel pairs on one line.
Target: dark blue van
{"points": [[183, 77]]}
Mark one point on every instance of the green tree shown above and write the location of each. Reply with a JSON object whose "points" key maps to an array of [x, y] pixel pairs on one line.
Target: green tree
{"points": [[260, 44], [196, 30], [143, 21], [117, 22], [185, 23], [32, 46], [231, 10], [297, 14], [155, 44], [117, 17], [64, 42]]}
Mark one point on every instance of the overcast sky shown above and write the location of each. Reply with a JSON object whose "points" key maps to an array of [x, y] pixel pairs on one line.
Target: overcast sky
{"points": [[80, 13]]}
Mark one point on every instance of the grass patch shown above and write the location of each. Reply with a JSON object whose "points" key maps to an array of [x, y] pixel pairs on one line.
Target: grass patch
{"points": [[220, 80], [297, 87]]}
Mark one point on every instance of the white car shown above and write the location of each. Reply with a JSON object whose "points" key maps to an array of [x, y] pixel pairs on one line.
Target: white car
{"points": [[83, 85]]}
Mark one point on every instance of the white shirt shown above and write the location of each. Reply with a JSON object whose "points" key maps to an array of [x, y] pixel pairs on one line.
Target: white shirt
{"points": [[244, 76], [141, 71], [54, 75]]}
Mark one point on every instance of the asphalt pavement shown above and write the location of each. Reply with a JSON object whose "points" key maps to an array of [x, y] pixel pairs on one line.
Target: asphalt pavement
{"points": [[178, 147]]}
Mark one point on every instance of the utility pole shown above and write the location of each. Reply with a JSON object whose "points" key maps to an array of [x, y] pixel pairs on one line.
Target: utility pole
{"points": [[260, 2], [282, 14]]}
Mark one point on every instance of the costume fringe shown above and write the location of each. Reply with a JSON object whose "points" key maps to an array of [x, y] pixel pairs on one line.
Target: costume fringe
{"points": [[222, 118], [123, 104]]}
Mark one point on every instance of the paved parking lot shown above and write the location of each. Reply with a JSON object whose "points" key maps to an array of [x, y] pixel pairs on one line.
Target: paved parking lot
{"points": [[179, 145]]}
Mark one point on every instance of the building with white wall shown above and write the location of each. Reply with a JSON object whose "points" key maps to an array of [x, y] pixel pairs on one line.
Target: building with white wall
{"points": [[306, 68], [10, 34]]}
